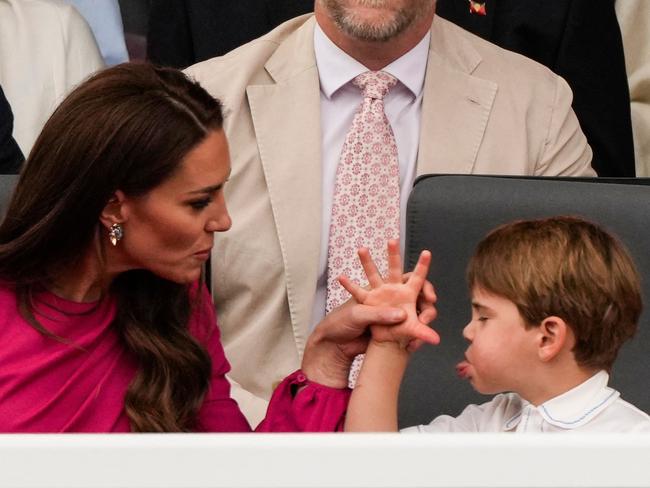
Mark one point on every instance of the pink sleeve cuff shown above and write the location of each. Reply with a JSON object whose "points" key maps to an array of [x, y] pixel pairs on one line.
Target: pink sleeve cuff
{"points": [[314, 408]]}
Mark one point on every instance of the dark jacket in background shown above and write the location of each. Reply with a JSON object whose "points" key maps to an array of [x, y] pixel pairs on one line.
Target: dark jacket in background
{"points": [[581, 41], [184, 32], [11, 158]]}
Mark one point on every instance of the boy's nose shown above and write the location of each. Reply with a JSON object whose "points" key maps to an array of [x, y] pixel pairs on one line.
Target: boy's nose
{"points": [[467, 331]]}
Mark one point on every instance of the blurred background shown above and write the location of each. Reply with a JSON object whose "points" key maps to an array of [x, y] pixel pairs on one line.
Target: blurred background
{"points": [[135, 16]]}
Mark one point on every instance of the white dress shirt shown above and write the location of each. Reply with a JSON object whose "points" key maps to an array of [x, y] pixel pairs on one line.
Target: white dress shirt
{"points": [[339, 102], [589, 407]]}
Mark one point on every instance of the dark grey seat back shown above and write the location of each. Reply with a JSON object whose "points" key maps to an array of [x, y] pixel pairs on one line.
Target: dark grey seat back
{"points": [[450, 214], [7, 185]]}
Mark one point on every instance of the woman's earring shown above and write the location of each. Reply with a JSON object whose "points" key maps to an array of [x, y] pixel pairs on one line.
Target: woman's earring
{"points": [[115, 234]]}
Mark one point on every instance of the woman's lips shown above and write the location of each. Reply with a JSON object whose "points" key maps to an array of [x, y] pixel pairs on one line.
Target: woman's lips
{"points": [[462, 370], [204, 255]]}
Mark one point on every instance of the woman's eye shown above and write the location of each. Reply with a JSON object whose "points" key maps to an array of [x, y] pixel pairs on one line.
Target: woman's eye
{"points": [[482, 319], [199, 204]]}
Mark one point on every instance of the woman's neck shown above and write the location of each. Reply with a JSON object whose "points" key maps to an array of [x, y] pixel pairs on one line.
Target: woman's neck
{"points": [[83, 281]]}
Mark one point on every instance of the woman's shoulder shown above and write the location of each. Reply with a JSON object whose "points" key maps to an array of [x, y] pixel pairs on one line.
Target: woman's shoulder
{"points": [[7, 293]]}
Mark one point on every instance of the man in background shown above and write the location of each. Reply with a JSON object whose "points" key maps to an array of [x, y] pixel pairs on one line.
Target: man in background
{"points": [[454, 103]]}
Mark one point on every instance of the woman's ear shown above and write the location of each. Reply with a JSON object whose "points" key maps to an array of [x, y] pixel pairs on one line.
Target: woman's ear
{"points": [[554, 335], [114, 212]]}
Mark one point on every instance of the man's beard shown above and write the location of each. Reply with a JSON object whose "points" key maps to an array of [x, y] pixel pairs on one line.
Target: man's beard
{"points": [[348, 21]]}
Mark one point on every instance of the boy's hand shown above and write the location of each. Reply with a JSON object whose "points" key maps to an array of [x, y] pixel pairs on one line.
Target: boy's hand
{"points": [[426, 301], [395, 291]]}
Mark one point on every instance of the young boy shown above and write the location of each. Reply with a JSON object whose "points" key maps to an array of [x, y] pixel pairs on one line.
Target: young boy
{"points": [[553, 300]]}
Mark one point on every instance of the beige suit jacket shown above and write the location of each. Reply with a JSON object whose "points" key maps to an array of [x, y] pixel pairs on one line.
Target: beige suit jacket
{"points": [[634, 18], [485, 110]]}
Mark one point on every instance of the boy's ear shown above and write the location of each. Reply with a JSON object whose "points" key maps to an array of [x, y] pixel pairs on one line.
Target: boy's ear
{"points": [[114, 212], [553, 336]]}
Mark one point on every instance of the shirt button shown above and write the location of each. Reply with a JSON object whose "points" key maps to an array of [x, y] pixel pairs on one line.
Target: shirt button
{"points": [[301, 378]]}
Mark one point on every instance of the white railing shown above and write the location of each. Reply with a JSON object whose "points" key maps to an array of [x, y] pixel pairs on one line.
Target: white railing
{"points": [[324, 460]]}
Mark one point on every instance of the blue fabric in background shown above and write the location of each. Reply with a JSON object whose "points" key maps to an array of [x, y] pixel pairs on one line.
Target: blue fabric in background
{"points": [[105, 20]]}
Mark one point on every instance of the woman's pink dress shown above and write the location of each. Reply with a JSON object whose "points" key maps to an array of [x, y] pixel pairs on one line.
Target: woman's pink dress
{"points": [[50, 386]]}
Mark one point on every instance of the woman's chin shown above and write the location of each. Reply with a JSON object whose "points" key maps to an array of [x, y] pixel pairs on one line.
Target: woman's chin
{"points": [[184, 278]]}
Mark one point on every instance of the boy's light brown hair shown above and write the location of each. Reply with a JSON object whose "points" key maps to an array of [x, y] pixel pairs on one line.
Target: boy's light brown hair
{"points": [[567, 267]]}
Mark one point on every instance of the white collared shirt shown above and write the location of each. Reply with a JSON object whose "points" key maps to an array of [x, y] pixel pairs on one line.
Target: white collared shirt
{"points": [[589, 407], [339, 102]]}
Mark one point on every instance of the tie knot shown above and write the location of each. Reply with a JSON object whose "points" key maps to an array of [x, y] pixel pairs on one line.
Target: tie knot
{"points": [[375, 84]]}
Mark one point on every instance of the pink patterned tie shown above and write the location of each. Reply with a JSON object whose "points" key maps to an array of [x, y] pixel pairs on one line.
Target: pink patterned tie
{"points": [[365, 209]]}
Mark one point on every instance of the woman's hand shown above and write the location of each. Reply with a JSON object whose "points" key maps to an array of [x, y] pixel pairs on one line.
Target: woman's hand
{"points": [[339, 337], [343, 333]]}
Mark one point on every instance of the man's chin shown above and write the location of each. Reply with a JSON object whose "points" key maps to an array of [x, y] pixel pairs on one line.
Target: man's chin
{"points": [[370, 30]]}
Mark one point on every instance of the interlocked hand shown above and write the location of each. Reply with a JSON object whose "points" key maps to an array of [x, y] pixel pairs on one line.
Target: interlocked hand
{"points": [[395, 291]]}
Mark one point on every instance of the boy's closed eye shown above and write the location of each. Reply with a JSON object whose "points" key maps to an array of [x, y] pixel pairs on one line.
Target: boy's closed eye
{"points": [[480, 312]]}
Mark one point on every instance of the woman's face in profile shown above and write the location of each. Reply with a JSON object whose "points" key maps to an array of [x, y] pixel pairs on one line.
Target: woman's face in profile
{"points": [[169, 230]]}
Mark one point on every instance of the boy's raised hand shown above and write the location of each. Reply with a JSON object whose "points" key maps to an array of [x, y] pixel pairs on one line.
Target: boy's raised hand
{"points": [[394, 291]]}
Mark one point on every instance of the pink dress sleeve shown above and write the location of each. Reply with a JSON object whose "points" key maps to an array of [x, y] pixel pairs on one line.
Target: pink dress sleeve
{"points": [[315, 408]]}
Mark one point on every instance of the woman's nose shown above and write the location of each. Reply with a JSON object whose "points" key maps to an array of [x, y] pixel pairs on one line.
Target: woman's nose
{"points": [[221, 222]]}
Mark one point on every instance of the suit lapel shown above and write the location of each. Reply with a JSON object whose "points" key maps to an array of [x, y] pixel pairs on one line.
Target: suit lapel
{"points": [[286, 118], [456, 105]]}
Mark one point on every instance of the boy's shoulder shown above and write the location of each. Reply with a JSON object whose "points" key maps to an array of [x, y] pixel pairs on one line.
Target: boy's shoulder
{"points": [[492, 416], [506, 411], [622, 416], [594, 406]]}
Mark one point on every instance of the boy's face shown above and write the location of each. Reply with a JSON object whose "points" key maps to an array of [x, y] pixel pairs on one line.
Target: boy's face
{"points": [[502, 352]]}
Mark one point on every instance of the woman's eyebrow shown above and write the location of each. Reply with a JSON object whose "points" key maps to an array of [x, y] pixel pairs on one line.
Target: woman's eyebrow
{"points": [[213, 188], [208, 189]]}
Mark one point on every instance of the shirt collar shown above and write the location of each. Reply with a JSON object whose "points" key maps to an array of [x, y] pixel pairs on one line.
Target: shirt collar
{"points": [[336, 68], [575, 407]]}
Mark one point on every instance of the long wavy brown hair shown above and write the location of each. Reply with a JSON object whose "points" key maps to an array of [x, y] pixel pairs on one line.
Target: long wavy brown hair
{"points": [[127, 128]]}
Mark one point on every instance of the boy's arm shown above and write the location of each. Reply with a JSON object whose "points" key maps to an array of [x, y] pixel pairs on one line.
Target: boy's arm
{"points": [[373, 404]]}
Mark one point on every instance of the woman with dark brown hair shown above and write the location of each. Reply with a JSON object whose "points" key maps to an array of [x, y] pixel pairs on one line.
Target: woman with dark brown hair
{"points": [[105, 322]]}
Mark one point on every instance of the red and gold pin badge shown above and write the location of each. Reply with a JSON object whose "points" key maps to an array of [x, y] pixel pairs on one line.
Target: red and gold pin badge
{"points": [[477, 7]]}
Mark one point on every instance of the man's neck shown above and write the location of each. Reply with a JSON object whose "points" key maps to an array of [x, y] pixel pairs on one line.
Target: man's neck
{"points": [[374, 55]]}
